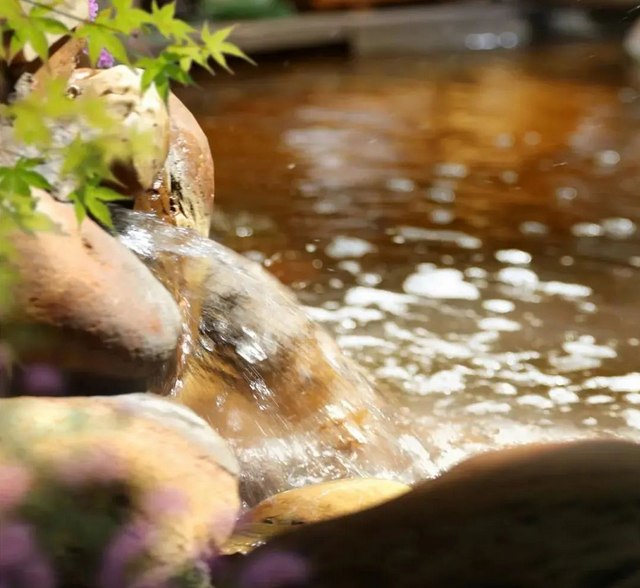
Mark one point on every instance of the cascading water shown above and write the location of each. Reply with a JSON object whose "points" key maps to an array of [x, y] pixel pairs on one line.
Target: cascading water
{"points": [[295, 409]]}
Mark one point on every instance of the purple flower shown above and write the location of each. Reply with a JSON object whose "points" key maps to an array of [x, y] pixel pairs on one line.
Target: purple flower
{"points": [[43, 380], [21, 560], [274, 568], [15, 482], [93, 10], [129, 544], [17, 544], [105, 59]]}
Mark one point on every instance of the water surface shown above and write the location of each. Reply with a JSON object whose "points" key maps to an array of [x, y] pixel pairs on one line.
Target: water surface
{"points": [[465, 225]]}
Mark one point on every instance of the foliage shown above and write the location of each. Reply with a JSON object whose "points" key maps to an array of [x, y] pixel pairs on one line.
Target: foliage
{"points": [[85, 158]]}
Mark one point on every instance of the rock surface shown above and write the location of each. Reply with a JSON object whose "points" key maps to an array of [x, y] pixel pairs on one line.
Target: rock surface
{"points": [[137, 113], [310, 504], [84, 302], [184, 190], [117, 491], [565, 515]]}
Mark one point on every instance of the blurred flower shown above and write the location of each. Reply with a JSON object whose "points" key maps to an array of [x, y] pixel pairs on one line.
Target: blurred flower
{"points": [[105, 60], [93, 465], [22, 565], [129, 544], [17, 544], [271, 569], [43, 380], [15, 482]]}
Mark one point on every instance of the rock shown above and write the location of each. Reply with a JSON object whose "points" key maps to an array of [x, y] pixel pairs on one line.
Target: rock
{"points": [[562, 515], [84, 302], [310, 504], [113, 491], [183, 192], [141, 114]]}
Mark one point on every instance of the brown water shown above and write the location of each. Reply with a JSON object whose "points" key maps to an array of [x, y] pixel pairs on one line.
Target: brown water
{"points": [[465, 225]]}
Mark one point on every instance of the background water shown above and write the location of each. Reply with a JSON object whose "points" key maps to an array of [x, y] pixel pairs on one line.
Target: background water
{"points": [[466, 226]]}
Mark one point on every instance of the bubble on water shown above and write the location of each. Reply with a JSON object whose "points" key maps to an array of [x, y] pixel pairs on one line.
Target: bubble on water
{"points": [[626, 383], [590, 422], [533, 228], [588, 349], [401, 185], [443, 284], [369, 279], [441, 216], [513, 257], [488, 407], [451, 170], [587, 230], [440, 236], [505, 141], [441, 194], [505, 389], [633, 398], [352, 267], [635, 261], [498, 324], [567, 260], [566, 290], [608, 158], [599, 399], [443, 382], [632, 417], [619, 228], [517, 276], [563, 396], [566, 193], [361, 341], [509, 177], [342, 247], [476, 273], [388, 301], [536, 401], [362, 315], [532, 138], [574, 363]]}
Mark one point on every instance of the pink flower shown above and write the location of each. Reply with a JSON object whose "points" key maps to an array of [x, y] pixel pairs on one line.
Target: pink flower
{"points": [[21, 562], [105, 59], [15, 482]]}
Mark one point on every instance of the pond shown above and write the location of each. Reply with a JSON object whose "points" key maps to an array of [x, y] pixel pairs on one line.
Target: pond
{"points": [[465, 225]]}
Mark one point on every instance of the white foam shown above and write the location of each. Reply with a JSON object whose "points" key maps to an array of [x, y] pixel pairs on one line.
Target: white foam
{"points": [[498, 324], [513, 257], [441, 236], [342, 247], [442, 284], [498, 306]]}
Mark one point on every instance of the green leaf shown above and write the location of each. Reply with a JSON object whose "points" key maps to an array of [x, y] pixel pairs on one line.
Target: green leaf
{"points": [[78, 207], [99, 211]]}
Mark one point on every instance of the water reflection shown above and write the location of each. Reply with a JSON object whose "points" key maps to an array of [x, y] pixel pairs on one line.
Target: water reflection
{"points": [[466, 227]]}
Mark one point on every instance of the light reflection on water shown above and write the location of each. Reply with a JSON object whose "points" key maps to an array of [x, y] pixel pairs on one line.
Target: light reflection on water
{"points": [[465, 226]]}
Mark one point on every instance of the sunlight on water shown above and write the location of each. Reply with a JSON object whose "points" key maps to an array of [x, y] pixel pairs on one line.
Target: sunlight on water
{"points": [[466, 228]]}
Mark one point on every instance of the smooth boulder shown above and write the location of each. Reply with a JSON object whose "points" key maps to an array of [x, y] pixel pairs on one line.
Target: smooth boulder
{"points": [[563, 515], [310, 504], [118, 491], [84, 302]]}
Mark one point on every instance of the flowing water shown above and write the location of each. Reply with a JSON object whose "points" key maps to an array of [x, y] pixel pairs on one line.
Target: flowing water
{"points": [[465, 225]]}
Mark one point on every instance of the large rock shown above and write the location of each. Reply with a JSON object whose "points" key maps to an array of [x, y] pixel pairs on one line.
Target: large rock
{"points": [[84, 302], [566, 516], [310, 504], [112, 492], [184, 190], [138, 114]]}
